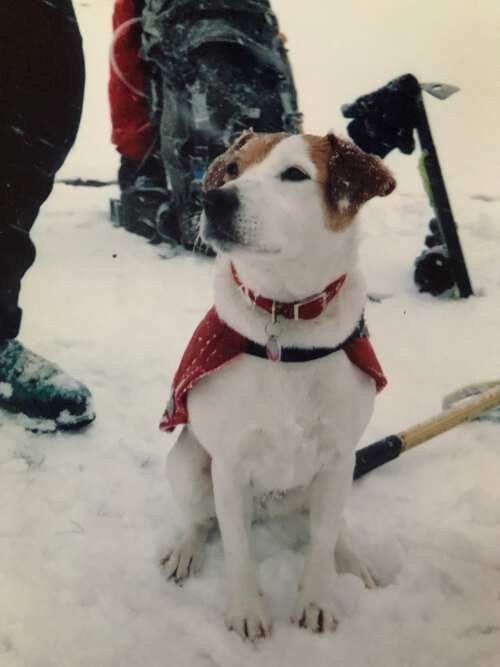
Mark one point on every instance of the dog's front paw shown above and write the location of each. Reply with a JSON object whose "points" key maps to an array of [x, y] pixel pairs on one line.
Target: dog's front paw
{"points": [[315, 616], [249, 619], [184, 560]]}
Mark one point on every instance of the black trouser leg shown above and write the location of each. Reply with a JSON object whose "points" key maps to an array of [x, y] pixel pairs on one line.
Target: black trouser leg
{"points": [[41, 93]]}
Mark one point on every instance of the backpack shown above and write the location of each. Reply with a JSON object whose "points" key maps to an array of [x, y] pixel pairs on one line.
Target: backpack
{"points": [[221, 68]]}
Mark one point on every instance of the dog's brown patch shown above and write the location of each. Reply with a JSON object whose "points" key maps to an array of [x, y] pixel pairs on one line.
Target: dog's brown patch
{"points": [[248, 149], [257, 149], [348, 176]]}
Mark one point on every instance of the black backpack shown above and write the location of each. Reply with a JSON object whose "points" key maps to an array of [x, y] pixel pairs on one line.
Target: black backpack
{"points": [[221, 67]]}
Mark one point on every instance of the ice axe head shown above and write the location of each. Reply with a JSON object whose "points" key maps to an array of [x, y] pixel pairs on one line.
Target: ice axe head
{"points": [[440, 90]]}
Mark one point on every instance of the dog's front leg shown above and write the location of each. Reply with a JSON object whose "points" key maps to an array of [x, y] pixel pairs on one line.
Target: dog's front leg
{"points": [[329, 490], [233, 502]]}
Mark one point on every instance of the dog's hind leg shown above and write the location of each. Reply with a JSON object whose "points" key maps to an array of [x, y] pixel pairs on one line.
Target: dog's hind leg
{"points": [[347, 559], [189, 473]]}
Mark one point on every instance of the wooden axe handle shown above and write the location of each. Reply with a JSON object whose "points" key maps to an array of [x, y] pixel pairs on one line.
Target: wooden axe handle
{"points": [[450, 418], [392, 446]]}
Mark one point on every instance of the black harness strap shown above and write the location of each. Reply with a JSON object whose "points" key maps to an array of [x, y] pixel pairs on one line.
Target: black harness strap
{"points": [[299, 354]]}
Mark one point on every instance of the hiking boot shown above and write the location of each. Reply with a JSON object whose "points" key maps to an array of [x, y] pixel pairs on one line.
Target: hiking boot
{"points": [[42, 394]]}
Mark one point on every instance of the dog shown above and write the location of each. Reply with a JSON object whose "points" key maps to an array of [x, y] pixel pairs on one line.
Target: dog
{"points": [[279, 380]]}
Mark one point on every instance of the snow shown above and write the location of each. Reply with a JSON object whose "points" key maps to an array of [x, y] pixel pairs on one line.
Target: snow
{"points": [[6, 389], [86, 517]]}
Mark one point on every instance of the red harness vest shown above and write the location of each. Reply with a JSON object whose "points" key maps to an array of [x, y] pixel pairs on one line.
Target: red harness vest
{"points": [[214, 344]]}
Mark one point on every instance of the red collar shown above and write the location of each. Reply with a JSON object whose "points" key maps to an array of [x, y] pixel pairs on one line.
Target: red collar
{"points": [[307, 309]]}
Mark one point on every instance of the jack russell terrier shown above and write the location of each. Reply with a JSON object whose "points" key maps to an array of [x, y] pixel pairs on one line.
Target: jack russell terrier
{"points": [[278, 382]]}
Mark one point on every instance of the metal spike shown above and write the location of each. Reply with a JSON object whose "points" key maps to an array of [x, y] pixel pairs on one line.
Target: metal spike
{"points": [[440, 90]]}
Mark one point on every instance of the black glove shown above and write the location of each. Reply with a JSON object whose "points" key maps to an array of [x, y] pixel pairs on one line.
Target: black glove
{"points": [[386, 118]]}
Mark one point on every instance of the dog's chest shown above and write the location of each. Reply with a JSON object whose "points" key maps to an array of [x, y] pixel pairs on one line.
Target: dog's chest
{"points": [[277, 424]]}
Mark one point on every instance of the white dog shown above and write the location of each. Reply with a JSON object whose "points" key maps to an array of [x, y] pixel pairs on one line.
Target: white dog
{"points": [[279, 380]]}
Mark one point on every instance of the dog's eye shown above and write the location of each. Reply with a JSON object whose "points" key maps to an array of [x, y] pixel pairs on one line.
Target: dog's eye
{"points": [[294, 174], [232, 169]]}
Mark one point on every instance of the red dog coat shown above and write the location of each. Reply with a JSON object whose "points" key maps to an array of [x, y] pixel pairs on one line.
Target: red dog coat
{"points": [[214, 344]]}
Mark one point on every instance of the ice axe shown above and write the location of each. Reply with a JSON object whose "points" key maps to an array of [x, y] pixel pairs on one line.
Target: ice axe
{"points": [[469, 404], [385, 120]]}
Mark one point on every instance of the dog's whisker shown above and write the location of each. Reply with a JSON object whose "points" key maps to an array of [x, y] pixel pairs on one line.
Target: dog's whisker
{"points": [[198, 241]]}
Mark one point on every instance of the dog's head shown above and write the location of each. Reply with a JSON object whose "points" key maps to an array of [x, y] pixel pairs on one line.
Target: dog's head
{"points": [[280, 194]]}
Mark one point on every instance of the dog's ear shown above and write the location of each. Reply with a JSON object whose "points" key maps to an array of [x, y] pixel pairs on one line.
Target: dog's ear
{"points": [[355, 177], [216, 174]]}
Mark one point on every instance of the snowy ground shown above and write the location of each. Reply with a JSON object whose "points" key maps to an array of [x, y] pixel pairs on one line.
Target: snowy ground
{"points": [[84, 517]]}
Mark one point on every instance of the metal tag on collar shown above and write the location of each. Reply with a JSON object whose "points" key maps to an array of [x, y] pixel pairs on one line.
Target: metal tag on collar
{"points": [[170, 409], [273, 345]]}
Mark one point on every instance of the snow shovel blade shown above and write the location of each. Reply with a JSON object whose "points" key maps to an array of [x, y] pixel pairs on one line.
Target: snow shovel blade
{"points": [[440, 90]]}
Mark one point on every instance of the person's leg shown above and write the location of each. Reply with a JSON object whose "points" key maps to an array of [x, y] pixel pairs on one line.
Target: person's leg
{"points": [[41, 92]]}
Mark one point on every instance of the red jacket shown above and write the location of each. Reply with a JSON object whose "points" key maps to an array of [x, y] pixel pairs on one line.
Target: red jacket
{"points": [[132, 132]]}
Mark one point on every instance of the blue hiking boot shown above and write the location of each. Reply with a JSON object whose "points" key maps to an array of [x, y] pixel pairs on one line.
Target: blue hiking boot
{"points": [[41, 394]]}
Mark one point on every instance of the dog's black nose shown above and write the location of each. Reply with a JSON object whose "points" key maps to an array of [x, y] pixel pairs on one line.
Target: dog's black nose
{"points": [[220, 205]]}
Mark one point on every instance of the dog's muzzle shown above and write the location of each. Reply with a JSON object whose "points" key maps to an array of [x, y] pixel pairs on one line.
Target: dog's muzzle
{"points": [[220, 207]]}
